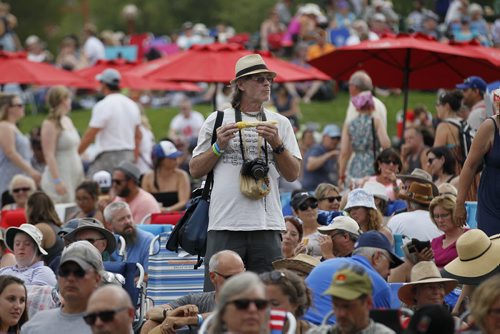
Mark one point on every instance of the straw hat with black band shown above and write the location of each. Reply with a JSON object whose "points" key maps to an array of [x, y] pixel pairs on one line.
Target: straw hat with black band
{"points": [[478, 258], [251, 64], [418, 192], [301, 263], [423, 272]]}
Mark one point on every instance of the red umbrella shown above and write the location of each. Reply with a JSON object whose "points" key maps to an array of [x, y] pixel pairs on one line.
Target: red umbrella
{"points": [[215, 63], [16, 68], [490, 54], [128, 79], [408, 62]]}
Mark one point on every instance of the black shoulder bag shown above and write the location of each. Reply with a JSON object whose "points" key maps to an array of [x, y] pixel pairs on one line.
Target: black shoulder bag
{"points": [[190, 233]]}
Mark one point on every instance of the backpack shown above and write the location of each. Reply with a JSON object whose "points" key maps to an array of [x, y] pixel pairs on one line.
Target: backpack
{"points": [[465, 136]]}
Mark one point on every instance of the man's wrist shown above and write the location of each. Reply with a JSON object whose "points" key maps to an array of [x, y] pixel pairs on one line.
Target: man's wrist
{"points": [[279, 148]]}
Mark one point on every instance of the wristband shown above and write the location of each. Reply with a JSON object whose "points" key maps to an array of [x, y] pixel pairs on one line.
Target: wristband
{"points": [[56, 181], [215, 150], [200, 319], [218, 148]]}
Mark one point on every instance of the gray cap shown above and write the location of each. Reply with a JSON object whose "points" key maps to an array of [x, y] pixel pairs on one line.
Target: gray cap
{"points": [[130, 170], [92, 224], [109, 76], [83, 254]]}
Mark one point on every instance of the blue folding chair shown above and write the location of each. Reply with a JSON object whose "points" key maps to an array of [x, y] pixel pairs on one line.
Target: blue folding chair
{"points": [[471, 208], [172, 275]]}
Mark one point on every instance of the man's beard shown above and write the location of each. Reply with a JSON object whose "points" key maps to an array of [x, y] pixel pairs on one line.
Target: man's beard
{"points": [[130, 237], [124, 193]]}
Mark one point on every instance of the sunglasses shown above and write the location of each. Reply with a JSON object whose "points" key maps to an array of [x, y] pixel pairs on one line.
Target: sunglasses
{"points": [[388, 162], [305, 206], [117, 182], [262, 78], [273, 276], [105, 316], [244, 304], [331, 199], [65, 272], [23, 189], [91, 240], [223, 276]]}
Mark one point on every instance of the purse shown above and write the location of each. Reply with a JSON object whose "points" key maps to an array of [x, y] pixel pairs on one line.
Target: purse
{"points": [[191, 232]]}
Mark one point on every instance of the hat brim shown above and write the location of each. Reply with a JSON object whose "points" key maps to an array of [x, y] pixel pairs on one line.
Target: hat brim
{"points": [[413, 199], [174, 155], [462, 86], [481, 266], [254, 72], [294, 265], [435, 190], [407, 295], [344, 293], [471, 280], [396, 261], [10, 235], [111, 241]]}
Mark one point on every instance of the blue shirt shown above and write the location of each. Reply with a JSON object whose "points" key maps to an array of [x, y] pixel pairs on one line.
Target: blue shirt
{"points": [[321, 277], [139, 251], [327, 173]]}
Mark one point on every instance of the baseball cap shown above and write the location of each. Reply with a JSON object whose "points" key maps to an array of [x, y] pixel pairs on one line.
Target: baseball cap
{"points": [[130, 170], [331, 130], [166, 149], [473, 82], [68, 227], [83, 254], [341, 223], [376, 239], [301, 198], [109, 76], [103, 179], [350, 283]]}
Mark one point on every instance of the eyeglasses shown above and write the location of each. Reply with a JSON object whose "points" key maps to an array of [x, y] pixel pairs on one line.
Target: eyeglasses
{"points": [[389, 161], [17, 105], [224, 276], [65, 272], [105, 316], [117, 182], [23, 189], [444, 215], [331, 199], [262, 78], [274, 276], [305, 206], [91, 240], [244, 304]]}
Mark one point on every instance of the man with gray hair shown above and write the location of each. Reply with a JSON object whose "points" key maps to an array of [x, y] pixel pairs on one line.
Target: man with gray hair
{"points": [[359, 82], [79, 274], [119, 216], [110, 311], [188, 309]]}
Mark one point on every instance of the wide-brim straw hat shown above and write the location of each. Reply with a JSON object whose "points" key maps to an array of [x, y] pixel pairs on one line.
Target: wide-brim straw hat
{"points": [[478, 257], [419, 193], [251, 64], [421, 176], [424, 272], [302, 263], [31, 230]]}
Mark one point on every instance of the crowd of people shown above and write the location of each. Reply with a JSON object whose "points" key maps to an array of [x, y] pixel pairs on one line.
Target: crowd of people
{"points": [[337, 227]]}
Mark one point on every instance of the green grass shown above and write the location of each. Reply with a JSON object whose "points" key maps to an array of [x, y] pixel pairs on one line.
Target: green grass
{"points": [[319, 112]]}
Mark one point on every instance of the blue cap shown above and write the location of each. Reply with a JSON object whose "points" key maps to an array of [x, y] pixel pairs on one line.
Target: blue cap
{"points": [[165, 149], [331, 130], [473, 82], [376, 239]]}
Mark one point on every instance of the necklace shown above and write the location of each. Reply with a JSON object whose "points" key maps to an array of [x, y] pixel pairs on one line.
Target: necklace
{"points": [[256, 115]]}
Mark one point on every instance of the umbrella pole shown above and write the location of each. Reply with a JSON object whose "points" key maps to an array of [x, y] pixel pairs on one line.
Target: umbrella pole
{"points": [[406, 81]]}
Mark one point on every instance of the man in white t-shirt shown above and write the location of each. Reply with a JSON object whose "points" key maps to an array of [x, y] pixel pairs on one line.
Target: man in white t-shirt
{"points": [[416, 223], [93, 48], [247, 220], [186, 125], [114, 125], [359, 82]]}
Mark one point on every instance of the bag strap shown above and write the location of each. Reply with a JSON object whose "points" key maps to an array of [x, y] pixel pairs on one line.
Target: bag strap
{"points": [[374, 148], [237, 117], [210, 176]]}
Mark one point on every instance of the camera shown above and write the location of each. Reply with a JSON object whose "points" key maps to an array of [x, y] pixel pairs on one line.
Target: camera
{"points": [[255, 168], [417, 246]]}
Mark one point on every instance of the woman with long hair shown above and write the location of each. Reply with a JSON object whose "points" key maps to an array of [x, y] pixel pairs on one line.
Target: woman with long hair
{"points": [[167, 182], [40, 211], [291, 237], [60, 140], [442, 165], [87, 197], [15, 152], [13, 304]]}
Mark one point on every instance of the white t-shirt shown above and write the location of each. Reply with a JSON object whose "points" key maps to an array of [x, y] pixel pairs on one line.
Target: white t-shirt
{"points": [[187, 128], [380, 111], [144, 163], [117, 116], [93, 49], [416, 224], [229, 208]]}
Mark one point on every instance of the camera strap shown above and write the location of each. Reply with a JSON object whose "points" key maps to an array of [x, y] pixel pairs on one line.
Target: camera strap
{"points": [[237, 116]]}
